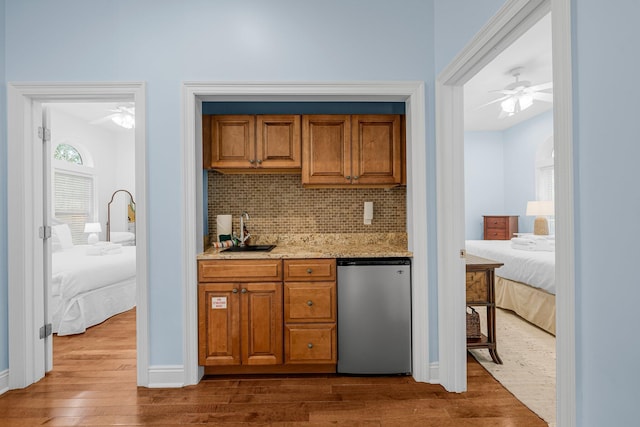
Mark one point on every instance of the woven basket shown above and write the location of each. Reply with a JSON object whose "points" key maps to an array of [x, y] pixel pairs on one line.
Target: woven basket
{"points": [[473, 323]]}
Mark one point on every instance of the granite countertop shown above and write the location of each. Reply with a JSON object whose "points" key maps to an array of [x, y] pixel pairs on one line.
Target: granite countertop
{"points": [[356, 245]]}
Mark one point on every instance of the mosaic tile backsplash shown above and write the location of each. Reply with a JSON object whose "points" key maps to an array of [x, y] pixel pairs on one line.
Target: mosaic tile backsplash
{"points": [[278, 204]]}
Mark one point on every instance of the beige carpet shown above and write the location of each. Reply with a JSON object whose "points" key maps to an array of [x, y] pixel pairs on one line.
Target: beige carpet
{"points": [[529, 363]]}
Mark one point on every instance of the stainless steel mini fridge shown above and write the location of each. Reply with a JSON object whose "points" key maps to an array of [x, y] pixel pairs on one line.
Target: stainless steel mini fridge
{"points": [[374, 316]]}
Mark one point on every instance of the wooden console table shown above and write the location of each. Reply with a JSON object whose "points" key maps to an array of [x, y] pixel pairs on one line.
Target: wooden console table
{"points": [[481, 292]]}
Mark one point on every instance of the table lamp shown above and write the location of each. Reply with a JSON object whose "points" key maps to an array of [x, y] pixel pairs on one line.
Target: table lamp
{"points": [[540, 209], [93, 228]]}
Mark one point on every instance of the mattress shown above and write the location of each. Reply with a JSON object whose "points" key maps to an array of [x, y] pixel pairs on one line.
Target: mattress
{"points": [[534, 268]]}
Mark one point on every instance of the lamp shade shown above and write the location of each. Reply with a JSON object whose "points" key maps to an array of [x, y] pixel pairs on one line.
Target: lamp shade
{"points": [[92, 227], [540, 208]]}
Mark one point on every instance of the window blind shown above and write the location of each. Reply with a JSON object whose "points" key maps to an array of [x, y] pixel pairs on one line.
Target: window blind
{"points": [[73, 202]]}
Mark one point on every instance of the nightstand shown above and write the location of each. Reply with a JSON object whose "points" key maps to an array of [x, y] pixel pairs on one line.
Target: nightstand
{"points": [[500, 227]]}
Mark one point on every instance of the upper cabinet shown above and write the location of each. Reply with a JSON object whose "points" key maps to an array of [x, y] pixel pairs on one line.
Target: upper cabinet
{"points": [[347, 150], [252, 143]]}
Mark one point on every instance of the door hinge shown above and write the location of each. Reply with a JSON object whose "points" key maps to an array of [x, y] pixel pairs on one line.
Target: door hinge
{"points": [[463, 253], [46, 330], [44, 134], [44, 232]]}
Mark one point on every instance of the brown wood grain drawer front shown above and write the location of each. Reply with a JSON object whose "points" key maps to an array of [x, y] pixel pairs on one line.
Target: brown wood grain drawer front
{"points": [[496, 222], [306, 302], [477, 286], [246, 270], [309, 269], [496, 234], [310, 343]]}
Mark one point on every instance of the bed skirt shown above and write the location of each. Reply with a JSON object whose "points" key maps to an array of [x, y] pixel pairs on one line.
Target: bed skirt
{"points": [[532, 304]]}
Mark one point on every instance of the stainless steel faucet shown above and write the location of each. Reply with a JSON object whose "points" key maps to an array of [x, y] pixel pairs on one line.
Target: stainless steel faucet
{"points": [[243, 230]]}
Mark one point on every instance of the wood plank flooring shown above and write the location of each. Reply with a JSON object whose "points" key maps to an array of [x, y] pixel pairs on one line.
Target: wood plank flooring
{"points": [[94, 384]]}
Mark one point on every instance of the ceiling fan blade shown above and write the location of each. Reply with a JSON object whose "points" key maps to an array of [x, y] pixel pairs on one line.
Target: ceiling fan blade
{"points": [[541, 96], [504, 91], [104, 119], [504, 114], [502, 98], [541, 86]]}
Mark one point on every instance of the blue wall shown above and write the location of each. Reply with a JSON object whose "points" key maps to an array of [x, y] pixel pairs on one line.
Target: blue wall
{"points": [[4, 308], [500, 172], [203, 40], [483, 179], [607, 220]]}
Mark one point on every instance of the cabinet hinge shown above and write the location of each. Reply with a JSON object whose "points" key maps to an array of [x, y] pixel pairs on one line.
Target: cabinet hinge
{"points": [[44, 134], [44, 232], [46, 330]]}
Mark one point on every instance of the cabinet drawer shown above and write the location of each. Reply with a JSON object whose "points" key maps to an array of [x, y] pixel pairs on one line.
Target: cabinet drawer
{"points": [[496, 234], [477, 287], [496, 222], [310, 343], [246, 270], [309, 270], [310, 302]]}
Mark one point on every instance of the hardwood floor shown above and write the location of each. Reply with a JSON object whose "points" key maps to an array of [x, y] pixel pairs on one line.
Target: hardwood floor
{"points": [[94, 384]]}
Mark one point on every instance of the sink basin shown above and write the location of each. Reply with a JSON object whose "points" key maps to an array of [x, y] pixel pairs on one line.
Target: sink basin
{"points": [[250, 248]]}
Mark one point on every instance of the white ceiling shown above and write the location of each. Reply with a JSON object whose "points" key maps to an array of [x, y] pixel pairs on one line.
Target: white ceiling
{"points": [[92, 112], [532, 52]]}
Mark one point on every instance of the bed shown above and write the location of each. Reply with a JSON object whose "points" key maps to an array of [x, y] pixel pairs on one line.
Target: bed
{"points": [[525, 284], [89, 283]]}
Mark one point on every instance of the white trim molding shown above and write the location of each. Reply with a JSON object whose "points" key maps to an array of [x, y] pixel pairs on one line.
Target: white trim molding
{"points": [[511, 21], [4, 381], [166, 376], [25, 194], [412, 93]]}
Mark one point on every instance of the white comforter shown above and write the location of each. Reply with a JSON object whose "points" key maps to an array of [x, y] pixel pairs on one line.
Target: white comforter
{"points": [[534, 268], [87, 289]]}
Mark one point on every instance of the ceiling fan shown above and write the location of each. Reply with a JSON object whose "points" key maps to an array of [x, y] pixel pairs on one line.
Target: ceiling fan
{"points": [[519, 95], [122, 115]]}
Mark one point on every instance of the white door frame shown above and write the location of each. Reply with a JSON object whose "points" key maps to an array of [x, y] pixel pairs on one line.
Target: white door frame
{"points": [[511, 21], [24, 177], [412, 93]]}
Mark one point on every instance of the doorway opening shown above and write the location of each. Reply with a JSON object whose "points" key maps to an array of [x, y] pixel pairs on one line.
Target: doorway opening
{"points": [[90, 203]]}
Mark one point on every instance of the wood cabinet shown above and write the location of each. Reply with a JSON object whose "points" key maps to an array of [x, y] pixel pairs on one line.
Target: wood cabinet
{"points": [[347, 150], [500, 227], [240, 312], [252, 143], [310, 333]]}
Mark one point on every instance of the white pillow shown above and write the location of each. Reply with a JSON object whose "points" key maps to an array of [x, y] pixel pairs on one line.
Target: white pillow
{"points": [[61, 236]]}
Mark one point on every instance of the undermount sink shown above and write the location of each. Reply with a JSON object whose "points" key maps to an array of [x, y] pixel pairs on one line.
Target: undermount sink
{"points": [[250, 248]]}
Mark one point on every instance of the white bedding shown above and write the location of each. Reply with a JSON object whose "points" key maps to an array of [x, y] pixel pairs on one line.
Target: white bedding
{"points": [[534, 268], [88, 289]]}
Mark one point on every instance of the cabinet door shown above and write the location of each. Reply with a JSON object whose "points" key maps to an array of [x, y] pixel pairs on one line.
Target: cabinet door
{"points": [[278, 142], [219, 324], [232, 141], [261, 309], [376, 149], [326, 149], [308, 302]]}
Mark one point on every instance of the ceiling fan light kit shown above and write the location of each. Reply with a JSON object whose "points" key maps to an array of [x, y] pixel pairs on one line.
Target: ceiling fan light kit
{"points": [[519, 95]]}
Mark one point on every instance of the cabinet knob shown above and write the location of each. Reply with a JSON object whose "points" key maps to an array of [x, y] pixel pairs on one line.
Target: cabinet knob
{"points": [[259, 161], [235, 291], [251, 161], [244, 291], [309, 303], [309, 270], [348, 176], [309, 345], [356, 177]]}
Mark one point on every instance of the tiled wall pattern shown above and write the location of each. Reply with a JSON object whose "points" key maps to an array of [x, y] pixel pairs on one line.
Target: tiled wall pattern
{"points": [[278, 204]]}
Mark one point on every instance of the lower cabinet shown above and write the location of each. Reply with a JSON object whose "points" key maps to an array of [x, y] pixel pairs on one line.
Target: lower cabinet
{"points": [[240, 324], [253, 318]]}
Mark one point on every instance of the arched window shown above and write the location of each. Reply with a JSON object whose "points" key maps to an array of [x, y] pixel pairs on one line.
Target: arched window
{"points": [[67, 153]]}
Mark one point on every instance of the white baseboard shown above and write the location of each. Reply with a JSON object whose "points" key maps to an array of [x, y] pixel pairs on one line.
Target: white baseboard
{"points": [[4, 381], [166, 376]]}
